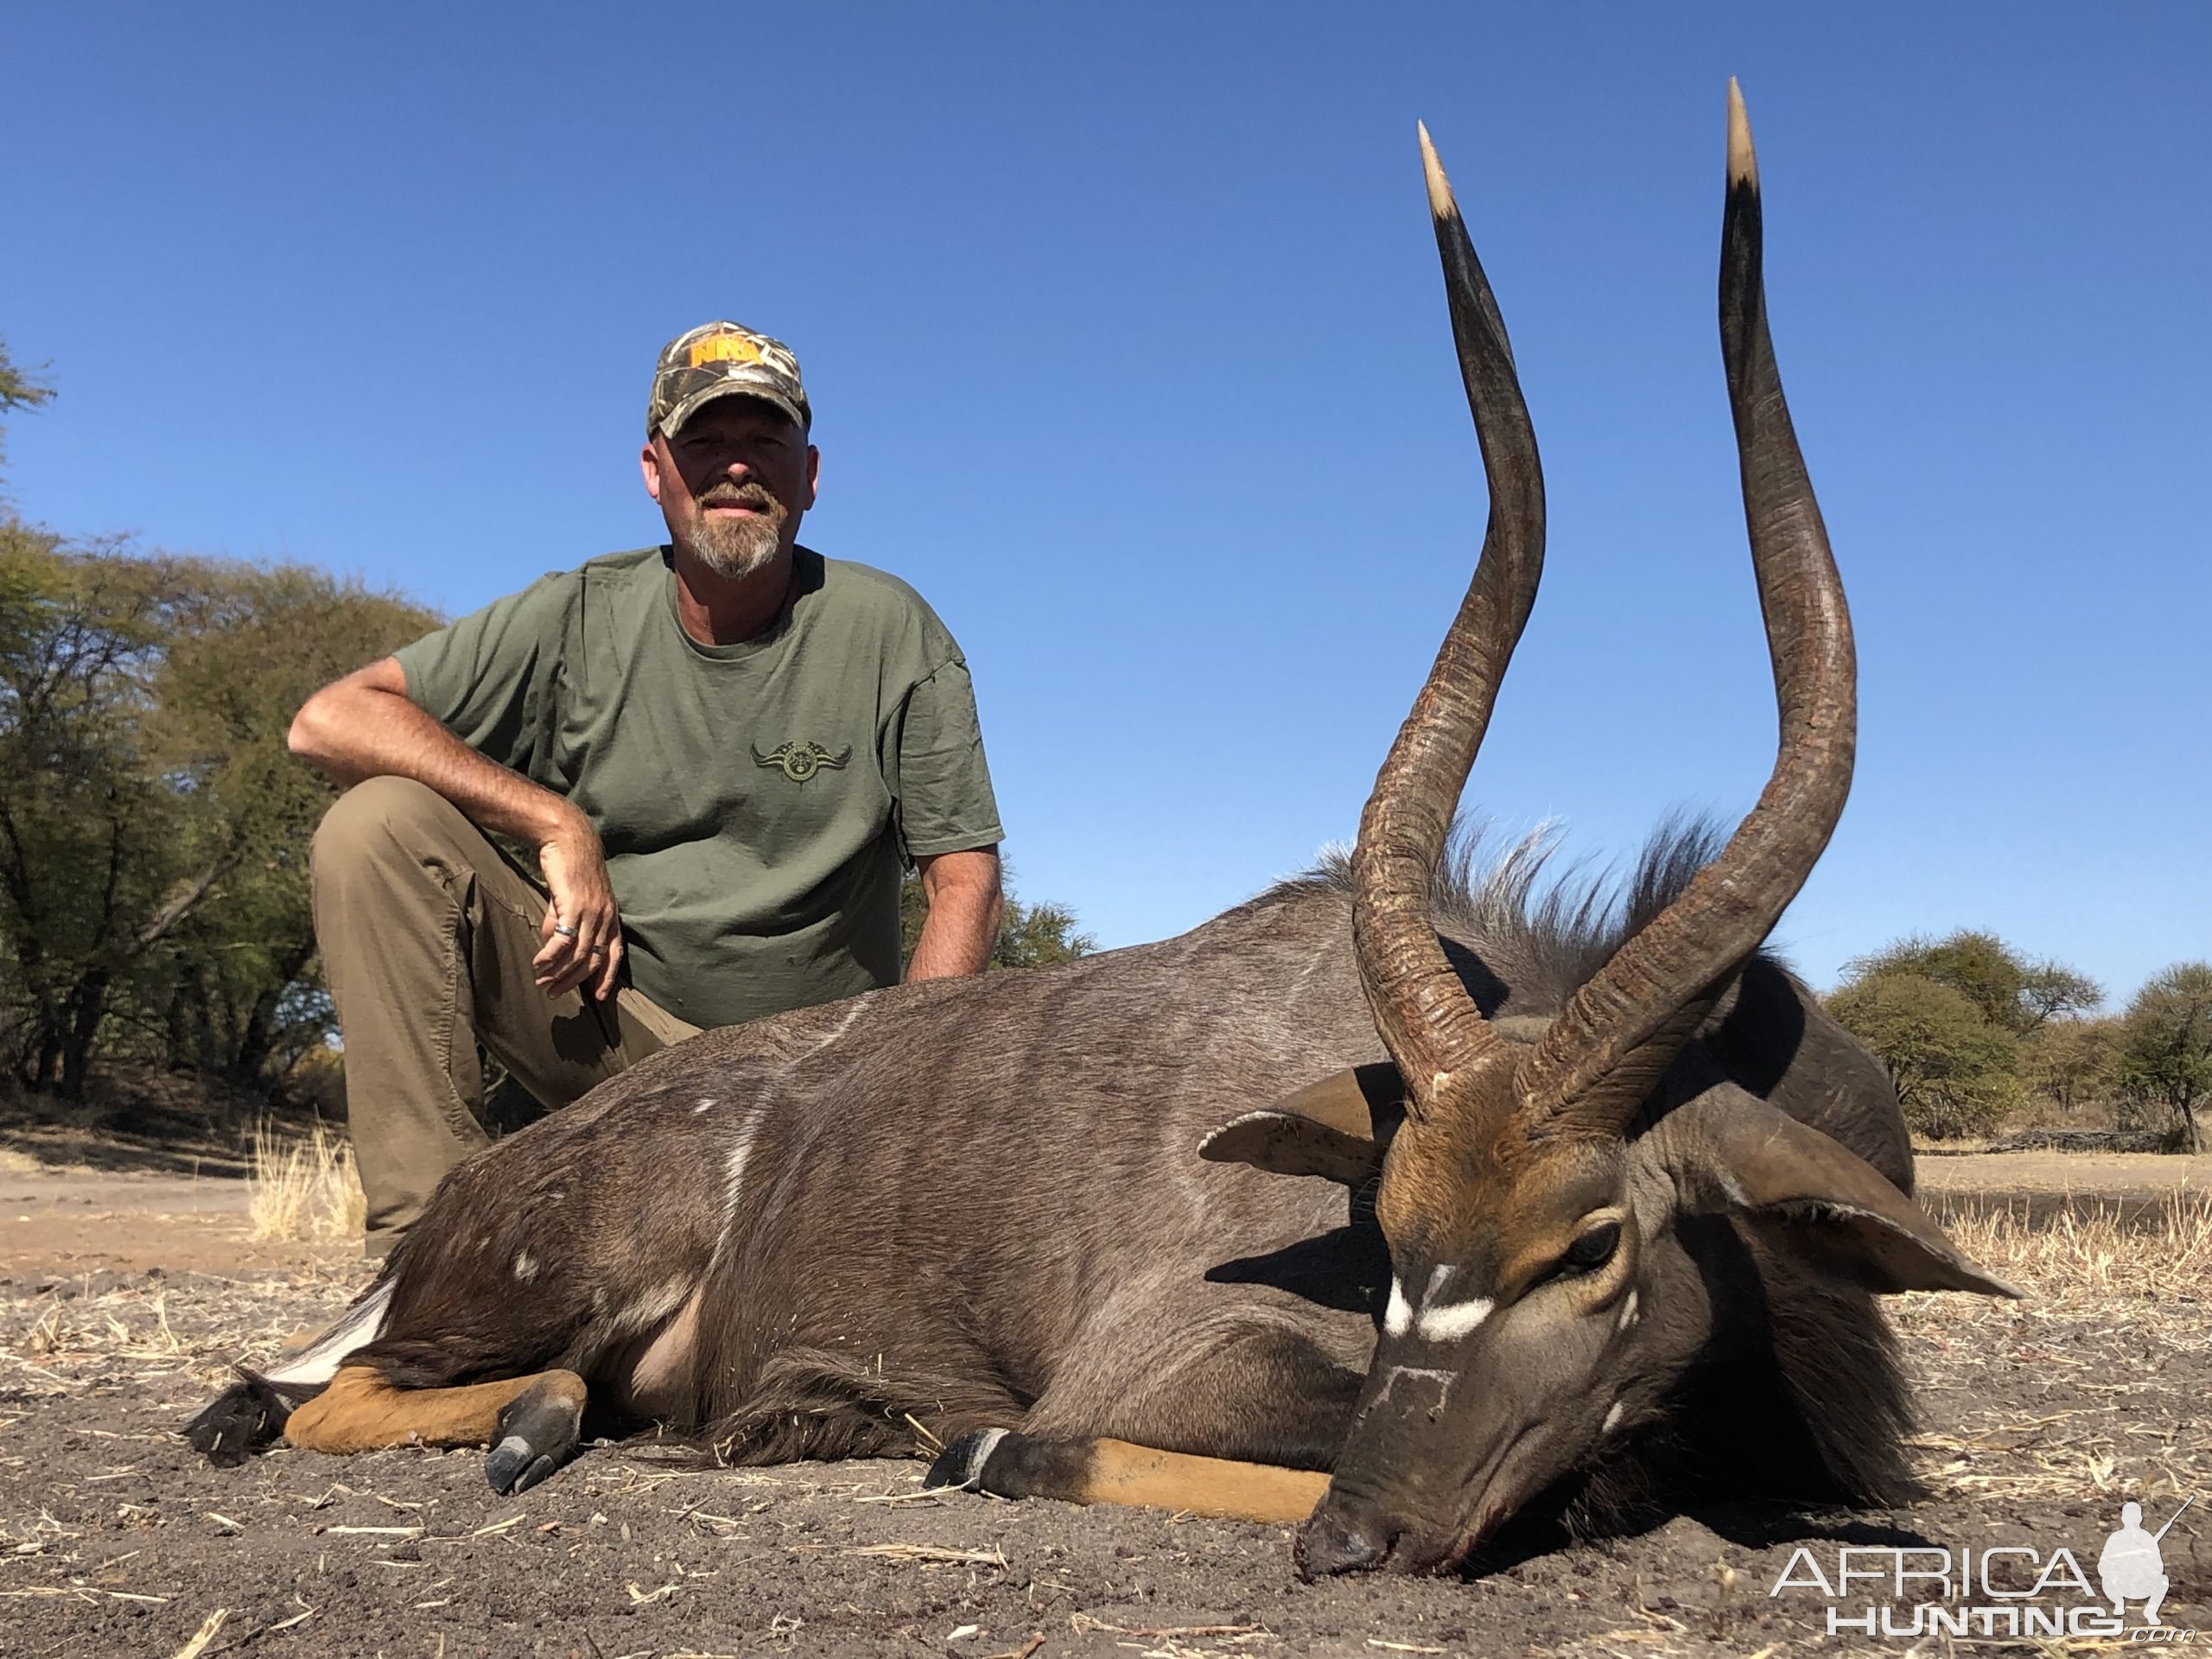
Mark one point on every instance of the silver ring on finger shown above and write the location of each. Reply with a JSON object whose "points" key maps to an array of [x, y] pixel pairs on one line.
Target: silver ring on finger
{"points": [[564, 930]]}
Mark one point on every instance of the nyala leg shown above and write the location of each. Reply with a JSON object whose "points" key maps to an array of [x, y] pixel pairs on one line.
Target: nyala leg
{"points": [[531, 1423], [1009, 1464]]}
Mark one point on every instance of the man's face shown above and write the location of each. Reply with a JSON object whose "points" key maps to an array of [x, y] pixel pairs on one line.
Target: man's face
{"points": [[733, 483]]}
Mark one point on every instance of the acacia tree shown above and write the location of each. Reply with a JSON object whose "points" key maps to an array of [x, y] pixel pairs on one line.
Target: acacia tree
{"points": [[2072, 1063], [2165, 1053], [1957, 1018], [1952, 1068], [89, 835], [240, 987], [2018, 993], [18, 390], [153, 829]]}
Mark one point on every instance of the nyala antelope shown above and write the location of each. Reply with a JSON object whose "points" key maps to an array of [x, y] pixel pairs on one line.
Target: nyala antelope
{"points": [[1394, 1204]]}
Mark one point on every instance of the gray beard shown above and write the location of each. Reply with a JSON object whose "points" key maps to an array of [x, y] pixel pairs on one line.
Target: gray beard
{"points": [[734, 550]]}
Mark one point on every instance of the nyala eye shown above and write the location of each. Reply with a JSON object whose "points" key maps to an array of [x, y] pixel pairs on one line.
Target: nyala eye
{"points": [[1594, 1249]]}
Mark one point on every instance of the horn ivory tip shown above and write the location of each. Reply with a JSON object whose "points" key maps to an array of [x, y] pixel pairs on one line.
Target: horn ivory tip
{"points": [[1440, 202], [1743, 163]]}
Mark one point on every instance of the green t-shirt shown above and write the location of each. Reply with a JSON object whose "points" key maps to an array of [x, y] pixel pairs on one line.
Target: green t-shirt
{"points": [[759, 801]]}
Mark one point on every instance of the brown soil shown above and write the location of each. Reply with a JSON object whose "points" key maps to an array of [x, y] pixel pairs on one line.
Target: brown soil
{"points": [[122, 1302], [68, 1223], [2137, 1189], [2133, 1173]]}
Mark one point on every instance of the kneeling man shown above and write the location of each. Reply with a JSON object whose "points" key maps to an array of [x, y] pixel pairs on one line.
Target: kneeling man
{"points": [[724, 752]]}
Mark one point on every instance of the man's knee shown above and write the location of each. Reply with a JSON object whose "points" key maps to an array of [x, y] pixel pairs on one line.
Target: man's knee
{"points": [[382, 821]]}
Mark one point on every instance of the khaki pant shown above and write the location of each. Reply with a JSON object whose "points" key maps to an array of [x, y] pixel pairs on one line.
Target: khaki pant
{"points": [[427, 933]]}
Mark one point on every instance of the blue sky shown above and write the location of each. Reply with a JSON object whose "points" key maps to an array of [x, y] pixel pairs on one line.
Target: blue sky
{"points": [[1128, 349]]}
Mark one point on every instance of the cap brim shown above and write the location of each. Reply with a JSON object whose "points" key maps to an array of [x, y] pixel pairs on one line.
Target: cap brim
{"points": [[673, 421]]}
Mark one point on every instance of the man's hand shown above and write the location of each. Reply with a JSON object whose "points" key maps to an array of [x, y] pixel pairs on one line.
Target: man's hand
{"points": [[583, 929], [366, 726], [963, 924]]}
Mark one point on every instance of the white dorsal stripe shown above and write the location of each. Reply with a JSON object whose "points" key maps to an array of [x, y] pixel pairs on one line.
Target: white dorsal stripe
{"points": [[1454, 1319], [1398, 1318]]}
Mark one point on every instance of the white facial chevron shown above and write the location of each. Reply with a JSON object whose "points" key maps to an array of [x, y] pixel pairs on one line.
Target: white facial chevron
{"points": [[1398, 1318], [1452, 1320], [1437, 1320]]}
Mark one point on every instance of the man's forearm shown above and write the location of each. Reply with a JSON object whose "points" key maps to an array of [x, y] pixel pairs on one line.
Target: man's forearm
{"points": [[962, 924], [363, 727]]}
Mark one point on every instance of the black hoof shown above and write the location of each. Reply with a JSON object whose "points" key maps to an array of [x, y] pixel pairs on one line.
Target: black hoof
{"points": [[535, 1434], [247, 1417], [514, 1466], [959, 1468]]}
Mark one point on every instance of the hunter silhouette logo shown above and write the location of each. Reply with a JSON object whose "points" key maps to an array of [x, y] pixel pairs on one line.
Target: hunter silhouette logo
{"points": [[2131, 1568], [800, 761]]}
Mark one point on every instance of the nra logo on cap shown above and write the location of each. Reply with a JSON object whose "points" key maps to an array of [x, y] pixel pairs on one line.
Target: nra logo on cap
{"points": [[723, 348]]}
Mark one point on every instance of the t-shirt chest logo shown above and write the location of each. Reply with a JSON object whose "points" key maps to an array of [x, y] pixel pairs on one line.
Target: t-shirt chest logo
{"points": [[800, 761]]}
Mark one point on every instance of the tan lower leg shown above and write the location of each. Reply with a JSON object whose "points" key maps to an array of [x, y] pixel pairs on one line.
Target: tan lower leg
{"points": [[1120, 1472], [361, 1412]]}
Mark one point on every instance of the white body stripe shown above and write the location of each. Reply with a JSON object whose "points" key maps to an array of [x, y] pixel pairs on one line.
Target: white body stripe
{"points": [[733, 1179], [844, 1026], [319, 1361]]}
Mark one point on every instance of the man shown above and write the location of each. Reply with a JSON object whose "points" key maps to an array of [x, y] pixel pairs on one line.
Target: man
{"points": [[723, 752]]}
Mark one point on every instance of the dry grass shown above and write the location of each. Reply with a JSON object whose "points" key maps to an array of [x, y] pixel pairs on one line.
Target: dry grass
{"points": [[2089, 1385], [2094, 1250], [305, 1187]]}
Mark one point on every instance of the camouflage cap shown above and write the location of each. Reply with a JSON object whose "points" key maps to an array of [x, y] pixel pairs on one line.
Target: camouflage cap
{"points": [[723, 359]]}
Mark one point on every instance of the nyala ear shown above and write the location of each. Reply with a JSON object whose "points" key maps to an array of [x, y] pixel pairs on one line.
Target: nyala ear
{"points": [[1806, 1197], [1335, 1128]]}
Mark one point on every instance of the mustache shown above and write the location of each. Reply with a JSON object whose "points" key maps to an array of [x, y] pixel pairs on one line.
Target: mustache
{"points": [[745, 495]]}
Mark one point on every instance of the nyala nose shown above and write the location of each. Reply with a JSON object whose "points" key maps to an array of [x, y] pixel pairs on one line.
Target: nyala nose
{"points": [[1331, 1542]]}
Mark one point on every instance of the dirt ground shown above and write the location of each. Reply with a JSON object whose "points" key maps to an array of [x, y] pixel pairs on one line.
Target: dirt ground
{"points": [[123, 1297], [2131, 1173]]}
